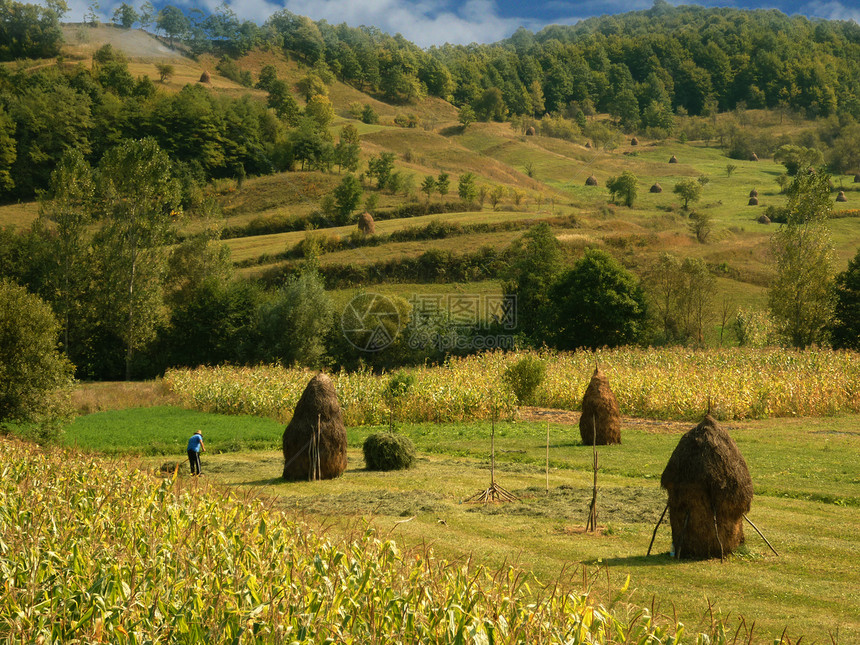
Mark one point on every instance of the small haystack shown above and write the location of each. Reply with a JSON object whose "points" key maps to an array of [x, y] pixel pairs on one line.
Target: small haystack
{"points": [[857, 178], [656, 188], [753, 201], [366, 225], [634, 141], [600, 409], [591, 181], [753, 193], [763, 219], [674, 159], [588, 144], [531, 131], [841, 196], [753, 157], [318, 406], [205, 78], [710, 490]]}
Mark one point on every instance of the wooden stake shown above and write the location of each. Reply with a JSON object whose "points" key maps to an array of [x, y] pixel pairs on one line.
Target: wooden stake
{"points": [[760, 533], [717, 533], [547, 457], [494, 493], [591, 524], [654, 534]]}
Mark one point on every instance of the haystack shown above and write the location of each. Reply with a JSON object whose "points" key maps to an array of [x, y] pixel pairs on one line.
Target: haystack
{"points": [[531, 131], [753, 201], [841, 196], [753, 157], [763, 219], [366, 225], [591, 181], [600, 421], [656, 188], [634, 141], [673, 159], [710, 490], [205, 78], [318, 404], [753, 193], [857, 178], [588, 144]]}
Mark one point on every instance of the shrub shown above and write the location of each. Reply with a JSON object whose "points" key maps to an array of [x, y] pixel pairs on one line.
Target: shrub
{"points": [[388, 451], [525, 377]]}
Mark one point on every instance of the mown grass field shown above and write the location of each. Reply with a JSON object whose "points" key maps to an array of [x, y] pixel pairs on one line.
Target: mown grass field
{"points": [[807, 502]]}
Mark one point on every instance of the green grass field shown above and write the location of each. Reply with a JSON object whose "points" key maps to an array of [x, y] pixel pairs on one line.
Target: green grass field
{"points": [[804, 472]]}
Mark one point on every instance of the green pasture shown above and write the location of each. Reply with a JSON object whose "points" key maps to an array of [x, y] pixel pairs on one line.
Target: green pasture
{"points": [[804, 471]]}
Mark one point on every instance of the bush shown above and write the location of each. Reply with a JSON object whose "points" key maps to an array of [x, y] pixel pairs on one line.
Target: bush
{"points": [[525, 377], [388, 451]]}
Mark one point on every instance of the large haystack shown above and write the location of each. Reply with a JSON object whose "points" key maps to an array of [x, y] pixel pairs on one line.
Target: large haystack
{"points": [[205, 77], [841, 196], [366, 225], [318, 403], [600, 409], [673, 159], [710, 490], [591, 180], [753, 201], [656, 188]]}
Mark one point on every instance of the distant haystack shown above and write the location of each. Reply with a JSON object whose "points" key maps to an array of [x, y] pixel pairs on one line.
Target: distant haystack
{"points": [[531, 131], [841, 196], [753, 157], [710, 490], [366, 225], [317, 421], [591, 181], [673, 159], [753, 201], [600, 421], [656, 188], [753, 193], [763, 219], [857, 178], [205, 78], [634, 141]]}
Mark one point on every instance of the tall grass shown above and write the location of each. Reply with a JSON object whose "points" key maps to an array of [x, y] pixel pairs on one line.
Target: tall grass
{"points": [[90, 552], [670, 383]]}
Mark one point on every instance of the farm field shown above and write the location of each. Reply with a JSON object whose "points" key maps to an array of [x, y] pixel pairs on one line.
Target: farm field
{"points": [[806, 509]]}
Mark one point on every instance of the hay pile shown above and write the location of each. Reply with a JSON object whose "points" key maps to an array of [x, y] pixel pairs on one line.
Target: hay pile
{"points": [[205, 78], [600, 421], [366, 225], [634, 141], [763, 219], [588, 144], [710, 490], [656, 188], [673, 159], [531, 131], [841, 196], [317, 403], [753, 201], [857, 178], [753, 193], [591, 181]]}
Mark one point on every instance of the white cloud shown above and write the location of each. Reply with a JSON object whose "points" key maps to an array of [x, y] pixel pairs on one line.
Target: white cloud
{"points": [[832, 10]]}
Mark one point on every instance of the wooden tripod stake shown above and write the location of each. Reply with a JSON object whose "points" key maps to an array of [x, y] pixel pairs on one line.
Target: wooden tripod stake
{"points": [[494, 493], [591, 524]]}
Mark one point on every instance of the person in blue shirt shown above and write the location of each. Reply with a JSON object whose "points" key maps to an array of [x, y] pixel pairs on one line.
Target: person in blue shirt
{"points": [[195, 445]]}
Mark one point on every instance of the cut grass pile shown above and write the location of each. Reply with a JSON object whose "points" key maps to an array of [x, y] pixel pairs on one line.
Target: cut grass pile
{"points": [[807, 502]]}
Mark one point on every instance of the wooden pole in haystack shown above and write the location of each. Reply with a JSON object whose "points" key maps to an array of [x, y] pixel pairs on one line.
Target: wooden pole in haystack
{"points": [[547, 457], [591, 524], [494, 493], [761, 534]]}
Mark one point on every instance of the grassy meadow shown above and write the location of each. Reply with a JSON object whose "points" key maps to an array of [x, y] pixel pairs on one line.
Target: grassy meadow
{"points": [[807, 502]]}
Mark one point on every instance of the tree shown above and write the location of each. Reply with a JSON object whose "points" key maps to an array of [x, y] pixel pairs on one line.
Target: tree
{"points": [[795, 157], [689, 190], [165, 71], [320, 109], [381, 167], [125, 16], [147, 11], [466, 116], [173, 22], [8, 151], [490, 106], [347, 197], [597, 303], [800, 297], [282, 102], [701, 225], [34, 375], [428, 186], [496, 195], [466, 188], [443, 184], [845, 330], [535, 266], [310, 85], [623, 187], [139, 199], [268, 75]]}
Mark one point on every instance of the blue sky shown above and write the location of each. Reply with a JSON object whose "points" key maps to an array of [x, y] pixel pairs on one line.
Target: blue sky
{"points": [[435, 22]]}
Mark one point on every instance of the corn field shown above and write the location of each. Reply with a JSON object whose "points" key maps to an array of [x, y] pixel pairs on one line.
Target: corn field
{"points": [[92, 551], [672, 383]]}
